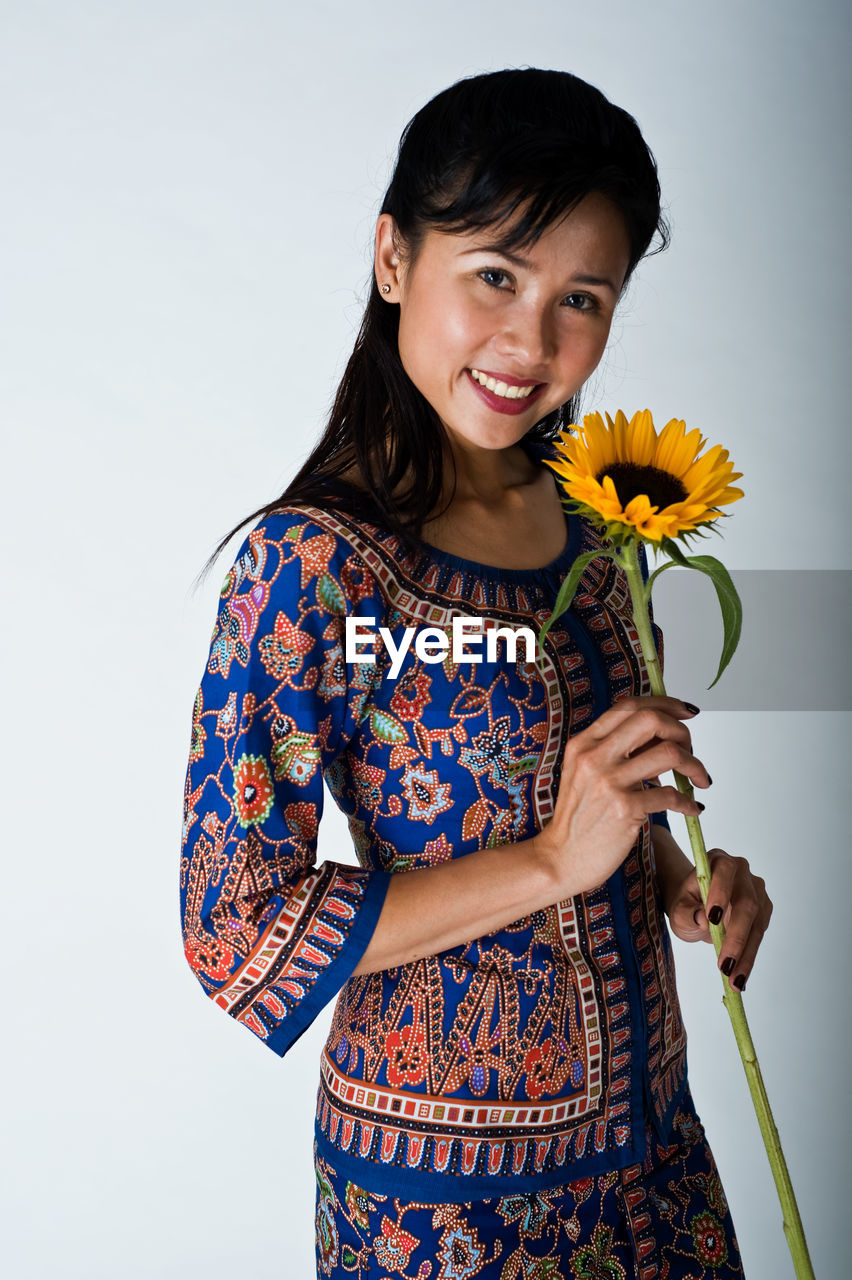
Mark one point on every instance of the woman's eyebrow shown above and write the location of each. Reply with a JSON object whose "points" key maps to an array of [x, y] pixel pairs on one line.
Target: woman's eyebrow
{"points": [[517, 261], [604, 281], [514, 258]]}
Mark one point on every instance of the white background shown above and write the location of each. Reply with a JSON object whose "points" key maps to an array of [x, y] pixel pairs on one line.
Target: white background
{"points": [[188, 197]]}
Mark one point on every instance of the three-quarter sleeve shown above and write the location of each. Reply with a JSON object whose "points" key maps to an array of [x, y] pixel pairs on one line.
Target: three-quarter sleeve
{"points": [[270, 935], [662, 818]]}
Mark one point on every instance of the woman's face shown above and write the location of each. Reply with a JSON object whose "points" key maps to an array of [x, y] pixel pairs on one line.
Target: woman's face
{"points": [[497, 341]]}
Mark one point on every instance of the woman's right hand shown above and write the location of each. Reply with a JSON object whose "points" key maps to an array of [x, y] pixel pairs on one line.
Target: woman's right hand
{"points": [[598, 814], [602, 803]]}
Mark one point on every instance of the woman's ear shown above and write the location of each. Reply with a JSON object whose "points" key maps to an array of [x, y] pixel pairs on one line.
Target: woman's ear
{"points": [[388, 265]]}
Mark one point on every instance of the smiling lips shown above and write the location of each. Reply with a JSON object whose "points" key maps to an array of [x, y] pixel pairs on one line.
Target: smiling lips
{"points": [[503, 392]]}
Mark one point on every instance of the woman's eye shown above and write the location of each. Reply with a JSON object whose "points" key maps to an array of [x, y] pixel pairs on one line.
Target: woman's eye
{"points": [[494, 276], [497, 278], [581, 302]]}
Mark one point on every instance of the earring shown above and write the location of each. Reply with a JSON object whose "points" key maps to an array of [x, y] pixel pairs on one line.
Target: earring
{"points": [[386, 288]]}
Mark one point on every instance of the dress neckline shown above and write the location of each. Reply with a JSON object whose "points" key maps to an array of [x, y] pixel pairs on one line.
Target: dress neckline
{"points": [[425, 552], [560, 565]]}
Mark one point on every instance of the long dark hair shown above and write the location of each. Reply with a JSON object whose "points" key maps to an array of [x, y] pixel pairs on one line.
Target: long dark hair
{"points": [[518, 149]]}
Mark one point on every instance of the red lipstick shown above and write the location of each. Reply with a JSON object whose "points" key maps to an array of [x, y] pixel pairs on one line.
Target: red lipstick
{"points": [[502, 404]]}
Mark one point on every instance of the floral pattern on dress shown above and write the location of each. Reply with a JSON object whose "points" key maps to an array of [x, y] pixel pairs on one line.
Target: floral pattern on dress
{"points": [[659, 1220], [530, 1053]]}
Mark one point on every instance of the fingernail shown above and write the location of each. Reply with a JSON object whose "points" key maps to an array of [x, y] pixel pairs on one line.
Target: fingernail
{"points": [[714, 915], [739, 982], [701, 806], [690, 706], [709, 779], [727, 966]]}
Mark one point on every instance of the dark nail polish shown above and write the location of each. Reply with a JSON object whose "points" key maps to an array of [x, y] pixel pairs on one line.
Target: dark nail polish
{"points": [[709, 779], [739, 982], [701, 806], [727, 966], [690, 706], [714, 915]]}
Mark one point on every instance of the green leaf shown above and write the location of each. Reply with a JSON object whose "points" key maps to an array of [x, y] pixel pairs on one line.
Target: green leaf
{"points": [[330, 595], [514, 767], [729, 600], [528, 762], [296, 758], [386, 727], [567, 592]]}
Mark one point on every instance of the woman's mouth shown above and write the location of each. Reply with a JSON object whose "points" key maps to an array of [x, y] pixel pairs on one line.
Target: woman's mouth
{"points": [[504, 393]]}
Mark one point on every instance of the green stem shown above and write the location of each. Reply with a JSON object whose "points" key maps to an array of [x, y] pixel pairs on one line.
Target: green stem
{"points": [[733, 1001]]}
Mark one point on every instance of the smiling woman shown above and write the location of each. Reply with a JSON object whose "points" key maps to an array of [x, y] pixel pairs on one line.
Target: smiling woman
{"points": [[532, 328], [503, 1090]]}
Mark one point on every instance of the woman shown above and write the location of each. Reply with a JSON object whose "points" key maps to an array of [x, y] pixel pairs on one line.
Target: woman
{"points": [[503, 1091]]}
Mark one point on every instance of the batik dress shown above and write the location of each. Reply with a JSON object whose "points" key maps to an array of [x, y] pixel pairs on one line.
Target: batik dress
{"points": [[527, 1087]]}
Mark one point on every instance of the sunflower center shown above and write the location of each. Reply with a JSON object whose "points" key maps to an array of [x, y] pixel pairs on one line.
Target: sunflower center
{"points": [[661, 487]]}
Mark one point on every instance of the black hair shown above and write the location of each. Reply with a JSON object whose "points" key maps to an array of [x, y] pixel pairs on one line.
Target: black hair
{"points": [[513, 149]]}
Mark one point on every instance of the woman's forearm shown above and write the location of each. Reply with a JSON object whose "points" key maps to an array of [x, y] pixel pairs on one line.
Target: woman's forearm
{"points": [[433, 908], [673, 866]]}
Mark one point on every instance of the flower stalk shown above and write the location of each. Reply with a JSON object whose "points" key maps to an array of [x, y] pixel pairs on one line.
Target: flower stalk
{"points": [[636, 486], [628, 558]]}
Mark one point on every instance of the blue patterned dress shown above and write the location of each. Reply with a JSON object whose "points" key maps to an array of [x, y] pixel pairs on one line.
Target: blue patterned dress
{"points": [[527, 1086]]}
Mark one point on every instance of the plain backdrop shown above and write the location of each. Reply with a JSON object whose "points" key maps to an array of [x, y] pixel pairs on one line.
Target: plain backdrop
{"points": [[189, 192]]}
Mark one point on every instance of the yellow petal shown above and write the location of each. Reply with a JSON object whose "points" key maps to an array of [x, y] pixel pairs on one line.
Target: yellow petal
{"points": [[643, 438], [598, 446]]}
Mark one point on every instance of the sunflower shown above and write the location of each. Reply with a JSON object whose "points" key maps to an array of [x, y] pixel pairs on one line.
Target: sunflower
{"points": [[630, 482]]}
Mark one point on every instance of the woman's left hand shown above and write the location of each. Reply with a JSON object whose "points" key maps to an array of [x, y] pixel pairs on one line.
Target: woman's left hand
{"points": [[737, 899]]}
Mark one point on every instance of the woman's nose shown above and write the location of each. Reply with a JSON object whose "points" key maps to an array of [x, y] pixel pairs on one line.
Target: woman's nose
{"points": [[529, 336]]}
